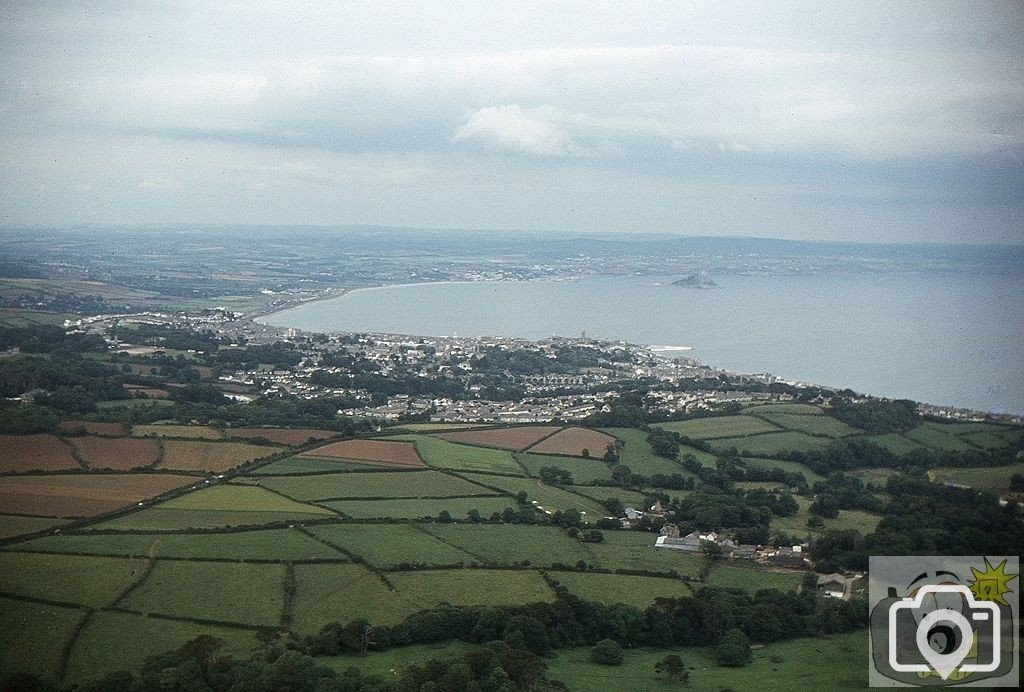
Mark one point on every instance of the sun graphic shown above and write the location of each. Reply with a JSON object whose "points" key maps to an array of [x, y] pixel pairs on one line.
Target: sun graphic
{"points": [[991, 585]]}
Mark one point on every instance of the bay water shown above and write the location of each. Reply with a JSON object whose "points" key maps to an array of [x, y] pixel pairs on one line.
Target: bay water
{"points": [[942, 338]]}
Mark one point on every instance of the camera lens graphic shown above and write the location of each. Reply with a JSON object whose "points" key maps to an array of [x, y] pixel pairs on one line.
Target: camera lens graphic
{"points": [[942, 639], [951, 626]]}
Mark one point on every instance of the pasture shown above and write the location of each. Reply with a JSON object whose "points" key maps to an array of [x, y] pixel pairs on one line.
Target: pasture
{"points": [[73, 496], [471, 587], [719, 426], [509, 544], [753, 580], [120, 454], [457, 507], [933, 436], [549, 497], [12, 525], [341, 593], [576, 442], [994, 440], [629, 498], [449, 455], [621, 588], [269, 544], [516, 439], [787, 466], [20, 453], [991, 478], [299, 465], [797, 667], [770, 443], [224, 591], [32, 637], [825, 426], [635, 550], [88, 581], [637, 454], [212, 457], [582, 470], [895, 443], [123, 641], [797, 409], [389, 545], [373, 485]]}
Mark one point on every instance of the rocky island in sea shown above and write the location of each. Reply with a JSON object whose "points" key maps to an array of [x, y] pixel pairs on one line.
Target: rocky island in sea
{"points": [[698, 280]]}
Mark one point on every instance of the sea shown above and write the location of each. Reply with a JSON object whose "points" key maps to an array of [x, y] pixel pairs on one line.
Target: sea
{"points": [[951, 339]]}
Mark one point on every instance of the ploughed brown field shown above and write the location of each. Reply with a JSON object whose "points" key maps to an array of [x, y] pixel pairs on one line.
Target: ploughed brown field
{"points": [[93, 428], [572, 442], [282, 436], [120, 454], [35, 453], [215, 457], [381, 452], [83, 495], [517, 439], [195, 432], [150, 392]]}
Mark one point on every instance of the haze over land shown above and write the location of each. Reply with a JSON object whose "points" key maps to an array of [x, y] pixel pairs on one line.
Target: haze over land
{"points": [[835, 120]]}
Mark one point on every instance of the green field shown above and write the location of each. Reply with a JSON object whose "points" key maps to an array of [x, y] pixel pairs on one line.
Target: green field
{"points": [[457, 507], [33, 635], [448, 455], [163, 519], [509, 544], [223, 591], [582, 470], [640, 458], [719, 426], [994, 440], [135, 404], [11, 525], [272, 544], [306, 465], [89, 581], [812, 425], [341, 593], [753, 580], [471, 587], [798, 409], [862, 521], [122, 641], [238, 498], [771, 443], [994, 478], [399, 658], [440, 427], [382, 484], [799, 668], [630, 498], [621, 588], [788, 466], [635, 550], [388, 545], [936, 437], [895, 443], [549, 497]]}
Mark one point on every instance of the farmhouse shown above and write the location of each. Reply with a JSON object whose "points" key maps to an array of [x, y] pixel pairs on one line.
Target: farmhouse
{"points": [[832, 585]]}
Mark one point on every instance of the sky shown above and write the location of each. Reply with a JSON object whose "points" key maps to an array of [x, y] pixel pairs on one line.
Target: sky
{"points": [[865, 121]]}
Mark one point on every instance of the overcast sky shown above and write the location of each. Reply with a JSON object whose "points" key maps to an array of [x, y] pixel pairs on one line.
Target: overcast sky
{"points": [[873, 121]]}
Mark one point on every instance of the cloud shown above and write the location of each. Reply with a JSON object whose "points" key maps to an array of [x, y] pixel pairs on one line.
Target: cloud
{"points": [[512, 129], [160, 184]]}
